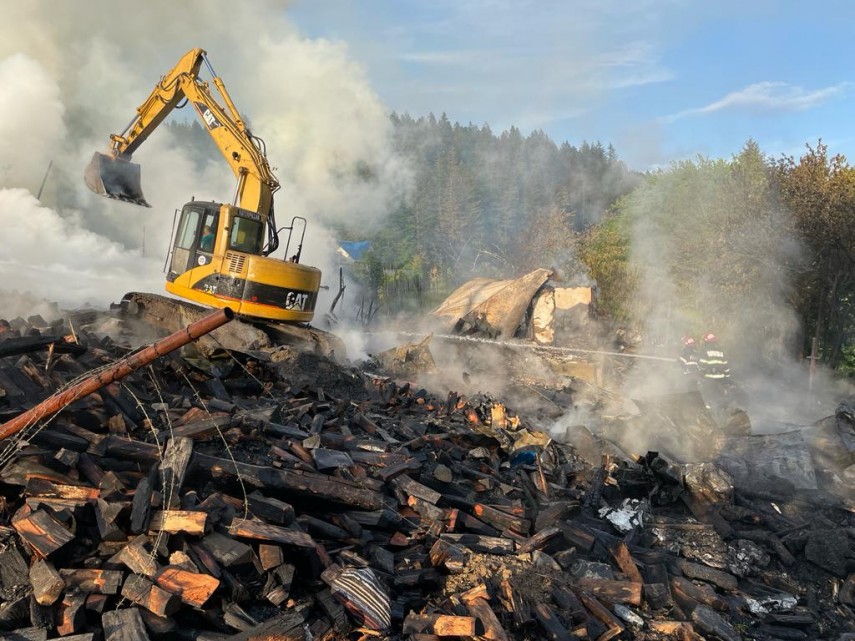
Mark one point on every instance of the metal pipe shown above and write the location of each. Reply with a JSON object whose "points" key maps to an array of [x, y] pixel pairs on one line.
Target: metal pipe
{"points": [[116, 371], [532, 346]]}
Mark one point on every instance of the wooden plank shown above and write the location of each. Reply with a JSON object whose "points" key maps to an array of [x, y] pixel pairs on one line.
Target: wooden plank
{"points": [[676, 629], [459, 519], [137, 559], [203, 560], [724, 580], [226, 550], [441, 625], [175, 521], [682, 587], [271, 556], [105, 516], [42, 532], [92, 580], [56, 505], [46, 581], [270, 509], [413, 488], [712, 624], [515, 603], [493, 630], [123, 625], [305, 485], [25, 634], [613, 625], [612, 591], [552, 627], [323, 529], [478, 591], [620, 553], [141, 506], [266, 532], [286, 626], [176, 459], [198, 430], [147, 453], [45, 488], [192, 588], [144, 593], [539, 540], [486, 544], [578, 537], [71, 613], [448, 555], [86, 636], [569, 603], [500, 519]]}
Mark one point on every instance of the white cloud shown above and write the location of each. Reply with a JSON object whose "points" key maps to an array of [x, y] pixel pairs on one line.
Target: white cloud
{"points": [[528, 63], [767, 96]]}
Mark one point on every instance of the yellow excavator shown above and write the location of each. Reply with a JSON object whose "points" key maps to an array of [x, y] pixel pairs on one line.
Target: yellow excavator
{"points": [[221, 254]]}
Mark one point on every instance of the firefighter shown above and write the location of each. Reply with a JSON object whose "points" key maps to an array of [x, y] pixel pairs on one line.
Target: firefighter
{"points": [[689, 355], [715, 373], [712, 362]]}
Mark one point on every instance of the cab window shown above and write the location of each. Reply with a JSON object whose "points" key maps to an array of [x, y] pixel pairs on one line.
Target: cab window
{"points": [[187, 228], [246, 235], [209, 232]]}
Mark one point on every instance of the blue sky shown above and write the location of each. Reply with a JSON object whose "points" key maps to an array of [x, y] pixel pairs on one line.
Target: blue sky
{"points": [[660, 79]]}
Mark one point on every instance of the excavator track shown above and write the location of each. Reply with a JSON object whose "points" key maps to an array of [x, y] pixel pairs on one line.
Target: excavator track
{"points": [[243, 334]]}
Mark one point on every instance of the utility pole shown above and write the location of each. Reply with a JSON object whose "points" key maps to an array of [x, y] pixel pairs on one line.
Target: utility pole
{"points": [[814, 356], [44, 180]]}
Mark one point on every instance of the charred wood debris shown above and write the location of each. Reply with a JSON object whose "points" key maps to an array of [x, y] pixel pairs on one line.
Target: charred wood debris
{"points": [[278, 495]]}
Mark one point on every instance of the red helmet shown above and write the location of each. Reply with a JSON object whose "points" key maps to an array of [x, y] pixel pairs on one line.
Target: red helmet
{"points": [[709, 337], [688, 341]]}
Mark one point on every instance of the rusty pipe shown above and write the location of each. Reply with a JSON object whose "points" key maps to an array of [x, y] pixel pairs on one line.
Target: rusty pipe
{"points": [[116, 371]]}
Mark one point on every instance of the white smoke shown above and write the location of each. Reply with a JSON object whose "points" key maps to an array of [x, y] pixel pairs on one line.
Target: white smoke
{"points": [[41, 251], [29, 94], [75, 73]]}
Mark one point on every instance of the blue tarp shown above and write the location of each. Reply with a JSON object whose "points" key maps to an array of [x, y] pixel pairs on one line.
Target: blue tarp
{"points": [[355, 248]]}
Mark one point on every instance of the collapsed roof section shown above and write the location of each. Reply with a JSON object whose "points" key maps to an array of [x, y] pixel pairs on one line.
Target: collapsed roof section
{"points": [[530, 306]]}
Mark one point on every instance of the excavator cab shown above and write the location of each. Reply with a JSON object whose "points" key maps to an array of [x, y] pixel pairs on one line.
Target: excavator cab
{"points": [[230, 267], [196, 240], [116, 178]]}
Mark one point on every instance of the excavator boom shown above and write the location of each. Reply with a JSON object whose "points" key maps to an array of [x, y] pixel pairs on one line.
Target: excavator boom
{"points": [[115, 176]]}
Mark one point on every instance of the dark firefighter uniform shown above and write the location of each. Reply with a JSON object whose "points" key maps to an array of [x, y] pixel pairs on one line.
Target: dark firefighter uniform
{"points": [[713, 363], [689, 356]]}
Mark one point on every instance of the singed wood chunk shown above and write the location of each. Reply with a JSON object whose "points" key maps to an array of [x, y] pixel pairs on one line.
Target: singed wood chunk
{"points": [[192, 588]]}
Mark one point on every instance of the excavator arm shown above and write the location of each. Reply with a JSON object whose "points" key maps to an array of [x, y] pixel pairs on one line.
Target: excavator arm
{"points": [[113, 174]]}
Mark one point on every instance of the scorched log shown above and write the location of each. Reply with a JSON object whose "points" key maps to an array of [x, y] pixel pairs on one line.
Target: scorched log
{"points": [[306, 485]]}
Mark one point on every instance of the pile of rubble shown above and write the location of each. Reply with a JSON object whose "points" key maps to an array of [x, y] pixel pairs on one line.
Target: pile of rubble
{"points": [[278, 495]]}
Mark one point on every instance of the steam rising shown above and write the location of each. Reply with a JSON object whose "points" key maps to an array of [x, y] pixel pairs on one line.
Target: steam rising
{"points": [[73, 74], [714, 251]]}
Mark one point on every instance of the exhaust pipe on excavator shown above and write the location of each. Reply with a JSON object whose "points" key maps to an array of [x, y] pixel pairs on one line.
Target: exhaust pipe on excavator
{"points": [[115, 178]]}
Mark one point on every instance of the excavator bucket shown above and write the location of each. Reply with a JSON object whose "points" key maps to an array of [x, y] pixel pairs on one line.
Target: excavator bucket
{"points": [[115, 178]]}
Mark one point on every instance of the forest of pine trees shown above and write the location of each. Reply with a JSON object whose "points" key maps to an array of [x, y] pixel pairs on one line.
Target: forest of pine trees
{"points": [[495, 205]]}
